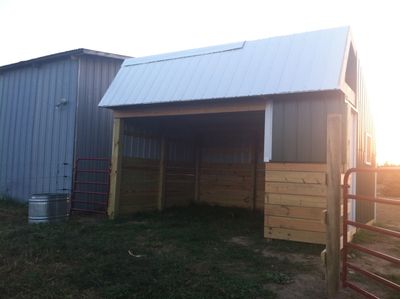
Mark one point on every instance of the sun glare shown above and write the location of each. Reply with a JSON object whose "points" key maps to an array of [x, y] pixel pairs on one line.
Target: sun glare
{"points": [[386, 115]]}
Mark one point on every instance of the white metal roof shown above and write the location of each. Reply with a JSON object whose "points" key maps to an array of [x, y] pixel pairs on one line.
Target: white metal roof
{"points": [[310, 61]]}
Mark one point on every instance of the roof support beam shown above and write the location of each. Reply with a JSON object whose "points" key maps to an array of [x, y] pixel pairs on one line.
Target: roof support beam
{"points": [[197, 107]]}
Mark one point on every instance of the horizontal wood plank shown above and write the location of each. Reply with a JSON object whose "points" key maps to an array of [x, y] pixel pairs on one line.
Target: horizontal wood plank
{"points": [[294, 235], [128, 162], [313, 167], [131, 199], [225, 203], [302, 177], [295, 223], [295, 212], [138, 176], [191, 108], [296, 200], [297, 189]]}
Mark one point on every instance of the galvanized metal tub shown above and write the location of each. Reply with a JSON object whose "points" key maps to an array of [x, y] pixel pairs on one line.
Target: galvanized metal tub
{"points": [[48, 207]]}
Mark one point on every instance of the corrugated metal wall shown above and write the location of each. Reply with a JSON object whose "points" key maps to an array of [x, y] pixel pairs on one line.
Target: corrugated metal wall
{"points": [[299, 126], [141, 142], [36, 148], [141, 139], [365, 211], [39, 138], [231, 147], [233, 144], [94, 124]]}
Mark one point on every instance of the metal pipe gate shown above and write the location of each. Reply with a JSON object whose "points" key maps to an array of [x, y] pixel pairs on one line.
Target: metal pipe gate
{"points": [[347, 245], [91, 185]]}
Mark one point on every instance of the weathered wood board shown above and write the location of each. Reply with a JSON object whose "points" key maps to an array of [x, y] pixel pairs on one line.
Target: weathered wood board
{"points": [[295, 198]]}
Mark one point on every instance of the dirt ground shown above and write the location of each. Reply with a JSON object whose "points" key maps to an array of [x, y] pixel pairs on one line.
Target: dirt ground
{"points": [[312, 284], [381, 267], [388, 215], [306, 285]]}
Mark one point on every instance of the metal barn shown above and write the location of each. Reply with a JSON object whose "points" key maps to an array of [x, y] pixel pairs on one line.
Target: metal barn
{"points": [[49, 117], [242, 125]]}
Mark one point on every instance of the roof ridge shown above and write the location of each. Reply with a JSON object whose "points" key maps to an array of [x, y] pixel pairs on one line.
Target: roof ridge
{"points": [[58, 55], [209, 49], [189, 53]]}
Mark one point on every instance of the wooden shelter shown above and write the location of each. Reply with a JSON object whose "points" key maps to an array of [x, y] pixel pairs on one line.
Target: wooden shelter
{"points": [[241, 125]]}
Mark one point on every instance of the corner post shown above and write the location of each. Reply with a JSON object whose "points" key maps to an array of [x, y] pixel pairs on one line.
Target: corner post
{"points": [[197, 163], [161, 185], [334, 160], [254, 158], [115, 176]]}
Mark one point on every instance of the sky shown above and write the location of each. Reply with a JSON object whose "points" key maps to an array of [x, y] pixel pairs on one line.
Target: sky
{"points": [[33, 28]]}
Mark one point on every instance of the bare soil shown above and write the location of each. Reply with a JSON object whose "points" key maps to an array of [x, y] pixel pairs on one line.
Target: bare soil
{"points": [[388, 215], [377, 266]]}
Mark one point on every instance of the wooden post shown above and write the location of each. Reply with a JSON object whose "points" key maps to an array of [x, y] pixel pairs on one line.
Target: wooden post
{"points": [[197, 157], [161, 186], [254, 152], [116, 169], [334, 160]]}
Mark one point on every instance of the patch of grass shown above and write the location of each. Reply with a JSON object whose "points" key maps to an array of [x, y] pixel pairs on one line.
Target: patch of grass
{"points": [[180, 253], [363, 236], [278, 278], [389, 183]]}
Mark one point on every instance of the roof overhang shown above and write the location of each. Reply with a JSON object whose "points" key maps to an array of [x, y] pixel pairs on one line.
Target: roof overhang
{"points": [[192, 107], [211, 106]]}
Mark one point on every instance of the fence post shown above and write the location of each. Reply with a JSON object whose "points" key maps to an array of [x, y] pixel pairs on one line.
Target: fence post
{"points": [[334, 161], [116, 169], [161, 183]]}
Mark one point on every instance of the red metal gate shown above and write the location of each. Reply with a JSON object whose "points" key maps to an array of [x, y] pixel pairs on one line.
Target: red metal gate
{"points": [[347, 245], [91, 185]]}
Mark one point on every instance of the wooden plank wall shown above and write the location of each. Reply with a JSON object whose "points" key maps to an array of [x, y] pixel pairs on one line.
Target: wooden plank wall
{"points": [[207, 159], [230, 184], [225, 184], [139, 185], [230, 163], [222, 184], [294, 201], [179, 183]]}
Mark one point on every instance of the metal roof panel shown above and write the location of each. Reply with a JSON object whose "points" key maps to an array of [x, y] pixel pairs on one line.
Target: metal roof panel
{"points": [[303, 62]]}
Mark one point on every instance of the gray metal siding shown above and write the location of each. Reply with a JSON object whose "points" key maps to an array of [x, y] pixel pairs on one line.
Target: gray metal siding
{"points": [[94, 124], [141, 141], [36, 148], [365, 211], [230, 140], [299, 126], [227, 148]]}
